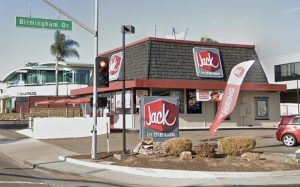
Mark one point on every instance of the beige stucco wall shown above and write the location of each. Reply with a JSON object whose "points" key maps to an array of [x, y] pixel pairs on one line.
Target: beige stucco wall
{"points": [[243, 114]]}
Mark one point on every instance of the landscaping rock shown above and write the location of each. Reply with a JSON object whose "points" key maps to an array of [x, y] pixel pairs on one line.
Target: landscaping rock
{"points": [[155, 148], [186, 155], [119, 156], [250, 156], [137, 148]]}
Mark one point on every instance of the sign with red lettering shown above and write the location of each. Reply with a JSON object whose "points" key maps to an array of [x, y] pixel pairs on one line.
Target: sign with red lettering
{"points": [[231, 94], [115, 65], [208, 62], [159, 117]]}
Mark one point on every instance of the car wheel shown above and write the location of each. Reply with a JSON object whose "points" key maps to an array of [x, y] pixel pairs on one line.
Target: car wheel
{"points": [[289, 140]]}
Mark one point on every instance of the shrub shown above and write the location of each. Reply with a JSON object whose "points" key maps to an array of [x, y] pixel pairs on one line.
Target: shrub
{"points": [[205, 150], [236, 146], [175, 146]]}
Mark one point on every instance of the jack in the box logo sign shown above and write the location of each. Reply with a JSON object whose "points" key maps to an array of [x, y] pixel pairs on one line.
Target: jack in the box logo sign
{"points": [[115, 65], [159, 117], [208, 62]]}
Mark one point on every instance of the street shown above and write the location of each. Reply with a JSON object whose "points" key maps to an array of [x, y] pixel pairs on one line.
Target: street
{"points": [[45, 152], [16, 174]]}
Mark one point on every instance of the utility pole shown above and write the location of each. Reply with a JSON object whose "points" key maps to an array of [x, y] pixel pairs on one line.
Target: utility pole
{"points": [[95, 94]]}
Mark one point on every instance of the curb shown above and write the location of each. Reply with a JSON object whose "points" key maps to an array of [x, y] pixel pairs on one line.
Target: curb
{"points": [[182, 174]]}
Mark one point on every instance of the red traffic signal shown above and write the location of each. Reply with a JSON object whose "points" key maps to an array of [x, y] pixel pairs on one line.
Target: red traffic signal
{"points": [[103, 64], [103, 71]]}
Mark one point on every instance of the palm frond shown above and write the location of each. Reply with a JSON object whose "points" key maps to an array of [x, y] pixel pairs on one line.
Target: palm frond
{"points": [[71, 43], [71, 53], [63, 48]]}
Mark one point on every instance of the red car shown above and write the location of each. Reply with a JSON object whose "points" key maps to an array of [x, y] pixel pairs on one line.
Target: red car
{"points": [[289, 130]]}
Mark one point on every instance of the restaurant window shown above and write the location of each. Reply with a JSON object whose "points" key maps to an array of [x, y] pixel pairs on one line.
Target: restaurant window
{"points": [[193, 106], [261, 108], [118, 102], [176, 93]]}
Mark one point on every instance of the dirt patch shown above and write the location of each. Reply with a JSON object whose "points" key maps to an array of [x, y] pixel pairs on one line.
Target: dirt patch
{"points": [[267, 162]]}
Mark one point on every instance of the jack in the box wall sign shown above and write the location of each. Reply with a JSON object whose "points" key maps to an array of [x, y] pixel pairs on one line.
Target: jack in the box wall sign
{"points": [[159, 117], [208, 62]]}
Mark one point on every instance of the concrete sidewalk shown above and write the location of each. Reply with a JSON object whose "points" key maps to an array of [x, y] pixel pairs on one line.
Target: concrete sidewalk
{"points": [[43, 155]]}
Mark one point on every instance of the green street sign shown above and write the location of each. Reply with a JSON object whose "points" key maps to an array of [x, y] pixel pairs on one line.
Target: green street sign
{"points": [[41, 23]]}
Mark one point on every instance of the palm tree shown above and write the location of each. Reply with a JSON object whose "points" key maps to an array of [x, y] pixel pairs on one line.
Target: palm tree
{"points": [[62, 48]]}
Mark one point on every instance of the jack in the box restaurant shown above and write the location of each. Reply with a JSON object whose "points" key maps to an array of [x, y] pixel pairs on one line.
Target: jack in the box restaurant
{"points": [[196, 74]]}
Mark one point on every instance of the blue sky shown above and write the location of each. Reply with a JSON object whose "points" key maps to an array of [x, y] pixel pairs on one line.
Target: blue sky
{"points": [[272, 25]]}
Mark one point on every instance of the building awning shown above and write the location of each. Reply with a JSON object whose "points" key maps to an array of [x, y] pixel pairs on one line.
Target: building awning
{"points": [[63, 101], [80, 100], [44, 102], [180, 84]]}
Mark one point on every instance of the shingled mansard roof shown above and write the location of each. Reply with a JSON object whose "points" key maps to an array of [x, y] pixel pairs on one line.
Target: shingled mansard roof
{"points": [[165, 63]]}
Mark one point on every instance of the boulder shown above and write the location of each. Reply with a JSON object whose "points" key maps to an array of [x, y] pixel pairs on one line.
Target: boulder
{"points": [[186, 155], [250, 156]]}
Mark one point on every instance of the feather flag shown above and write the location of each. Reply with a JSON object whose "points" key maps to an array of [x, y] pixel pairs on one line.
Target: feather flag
{"points": [[231, 94]]}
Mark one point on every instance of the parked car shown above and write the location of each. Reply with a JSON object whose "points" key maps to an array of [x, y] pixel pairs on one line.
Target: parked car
{"points": [[289, 130]]}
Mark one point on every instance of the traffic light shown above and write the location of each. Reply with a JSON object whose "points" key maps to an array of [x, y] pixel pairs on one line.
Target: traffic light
{"points": [[103, 69]]}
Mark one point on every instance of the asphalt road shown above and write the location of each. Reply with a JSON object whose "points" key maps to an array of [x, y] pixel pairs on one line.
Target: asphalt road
{"points": [[13, 174]]}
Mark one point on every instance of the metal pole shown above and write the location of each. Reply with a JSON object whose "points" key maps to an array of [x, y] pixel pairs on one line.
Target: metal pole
{"points": [[123, 94], [30, 6], [69, 16], [297, 96], [95, 94]]}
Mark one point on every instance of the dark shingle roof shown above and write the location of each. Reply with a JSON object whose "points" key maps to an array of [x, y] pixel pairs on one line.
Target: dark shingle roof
{"points": [[173, 60]]}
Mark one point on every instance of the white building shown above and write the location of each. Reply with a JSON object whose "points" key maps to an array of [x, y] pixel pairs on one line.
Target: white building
{"points": [[39, 80]]}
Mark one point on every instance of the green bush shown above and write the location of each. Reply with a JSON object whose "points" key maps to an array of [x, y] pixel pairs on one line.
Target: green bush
{"points": [[236, 146], [175, 146], [205, 150]]}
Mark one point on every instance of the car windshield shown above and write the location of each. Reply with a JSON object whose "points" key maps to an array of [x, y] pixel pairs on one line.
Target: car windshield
{"points": [[296, 120]]}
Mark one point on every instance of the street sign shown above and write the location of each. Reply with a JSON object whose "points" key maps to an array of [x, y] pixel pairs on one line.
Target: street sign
{"points": [[42, 23]]}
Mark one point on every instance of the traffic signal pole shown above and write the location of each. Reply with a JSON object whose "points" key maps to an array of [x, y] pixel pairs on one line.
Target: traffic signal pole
{"points": [[95, 93]]}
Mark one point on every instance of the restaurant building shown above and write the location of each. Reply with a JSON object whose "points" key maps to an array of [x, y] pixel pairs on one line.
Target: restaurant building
{"points": [[196, 73]]}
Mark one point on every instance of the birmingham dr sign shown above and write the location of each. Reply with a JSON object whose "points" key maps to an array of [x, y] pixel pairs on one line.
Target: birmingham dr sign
{"points": [[159, 117], [43, 23]]}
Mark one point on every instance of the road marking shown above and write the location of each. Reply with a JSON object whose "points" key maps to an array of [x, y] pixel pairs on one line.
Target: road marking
{"points": [[19, 182]]}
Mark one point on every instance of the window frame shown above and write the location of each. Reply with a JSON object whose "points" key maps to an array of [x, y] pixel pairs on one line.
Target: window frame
{"points": [[260, 101]]}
